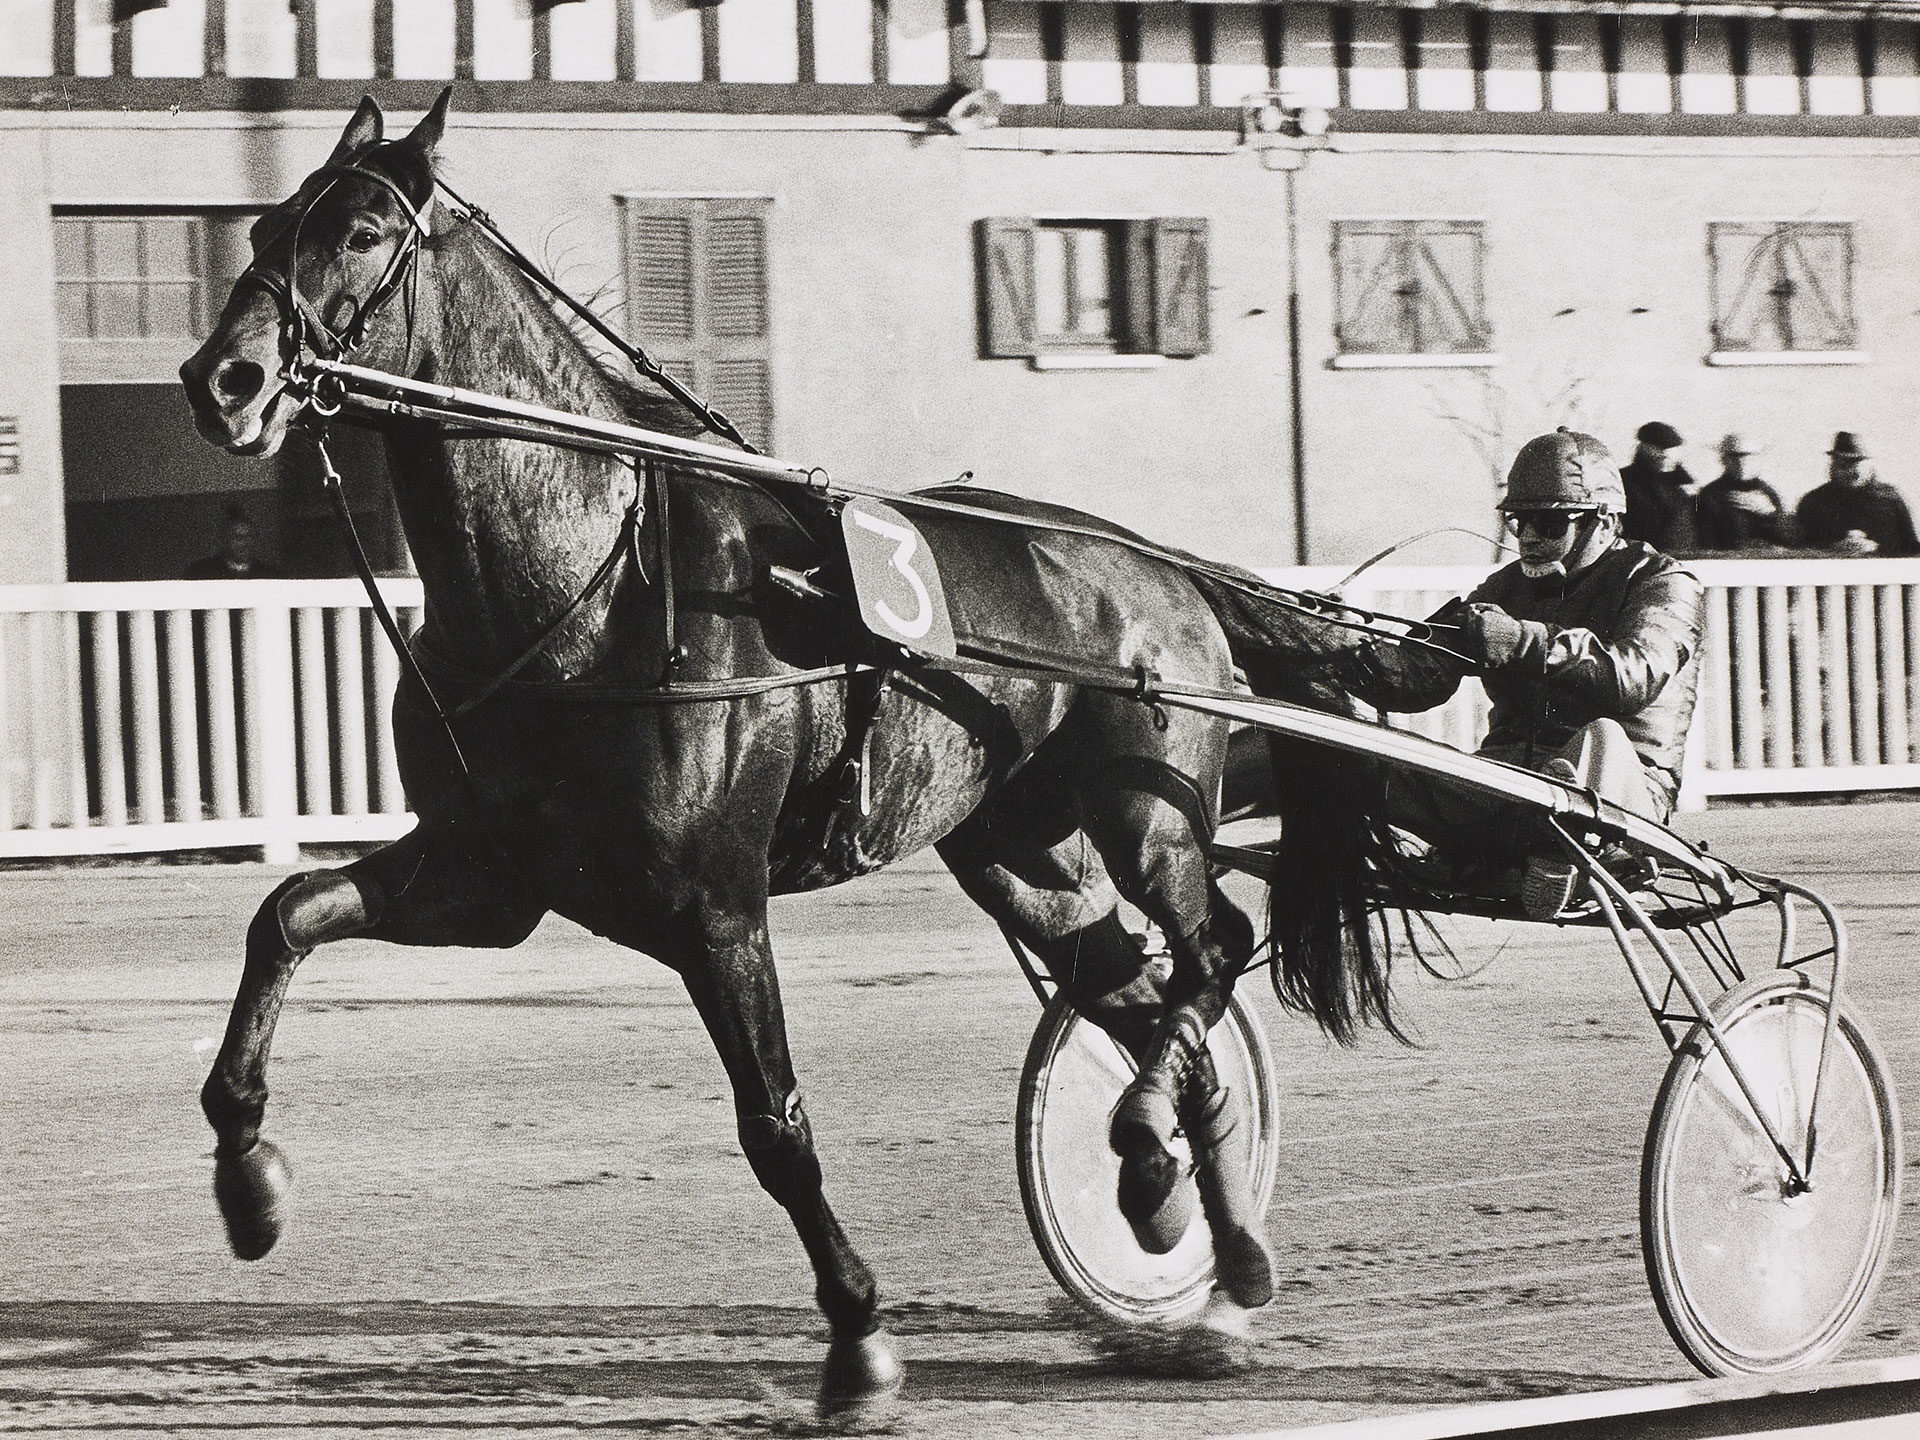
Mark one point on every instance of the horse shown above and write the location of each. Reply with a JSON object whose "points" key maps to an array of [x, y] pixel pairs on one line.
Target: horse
{"points": [[669, 751]]}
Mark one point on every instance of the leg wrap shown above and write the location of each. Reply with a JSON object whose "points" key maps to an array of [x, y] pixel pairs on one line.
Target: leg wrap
{"points": [[1212, 1116], [780, 1150]]}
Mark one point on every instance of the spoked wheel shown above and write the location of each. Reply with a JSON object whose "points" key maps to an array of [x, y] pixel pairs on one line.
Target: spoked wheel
{"points": [[1750, 1277], [1074, 1074]]}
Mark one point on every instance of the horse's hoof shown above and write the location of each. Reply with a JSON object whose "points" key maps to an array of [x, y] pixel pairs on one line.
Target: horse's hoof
{"points": [[860, 1383], [1155, 1198], [249, 1188], [1243, 1268], [1220, 1342]]}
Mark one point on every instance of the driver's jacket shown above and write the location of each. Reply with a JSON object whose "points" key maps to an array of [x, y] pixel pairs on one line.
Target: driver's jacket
{"points": [[1621, 639]]}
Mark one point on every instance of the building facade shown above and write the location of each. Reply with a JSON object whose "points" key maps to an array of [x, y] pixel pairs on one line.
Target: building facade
{"points": [[1274, 282]]}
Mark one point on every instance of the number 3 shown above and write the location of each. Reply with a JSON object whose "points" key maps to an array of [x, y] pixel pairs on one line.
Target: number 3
{"points": [[905, 544]]}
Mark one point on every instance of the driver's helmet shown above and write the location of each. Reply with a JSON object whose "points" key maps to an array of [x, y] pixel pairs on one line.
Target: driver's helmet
{"points": [[1564, 471]]}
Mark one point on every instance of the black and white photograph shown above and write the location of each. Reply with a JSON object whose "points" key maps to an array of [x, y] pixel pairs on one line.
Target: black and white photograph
{"points": [[1054, 719]]}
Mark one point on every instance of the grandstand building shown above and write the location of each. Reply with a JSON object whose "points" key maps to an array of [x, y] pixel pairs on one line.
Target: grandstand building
{"points": [[1274, 282]]}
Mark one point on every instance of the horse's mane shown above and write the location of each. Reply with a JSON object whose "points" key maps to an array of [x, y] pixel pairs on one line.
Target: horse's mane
{"points": [[642, 402]]}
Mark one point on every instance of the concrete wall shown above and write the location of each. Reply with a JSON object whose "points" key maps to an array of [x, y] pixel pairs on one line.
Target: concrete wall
{"points": [[32, 523], [1598, 293], [1596, 271]]}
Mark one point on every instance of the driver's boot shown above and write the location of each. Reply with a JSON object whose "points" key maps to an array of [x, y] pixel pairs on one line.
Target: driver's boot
{"points": [[1213, 1116], [1153, 1192]]}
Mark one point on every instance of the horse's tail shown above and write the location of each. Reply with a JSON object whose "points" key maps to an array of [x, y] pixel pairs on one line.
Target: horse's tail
{"points": [[1334, 964]]}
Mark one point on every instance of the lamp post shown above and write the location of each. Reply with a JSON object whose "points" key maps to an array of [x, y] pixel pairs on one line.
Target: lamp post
{"points": [[1284, 131]]}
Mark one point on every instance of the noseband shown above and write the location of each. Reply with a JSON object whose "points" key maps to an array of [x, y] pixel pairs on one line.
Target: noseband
{"points": [[302, 327]]}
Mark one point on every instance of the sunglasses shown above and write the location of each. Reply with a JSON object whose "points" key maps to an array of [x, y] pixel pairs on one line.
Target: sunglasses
{"points": [[1547, 524]]}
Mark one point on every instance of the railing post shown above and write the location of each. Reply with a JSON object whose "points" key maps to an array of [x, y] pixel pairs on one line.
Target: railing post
{"points": [[7, 750], [103, 626], [183, 716], [143, 674], [266, 639]]}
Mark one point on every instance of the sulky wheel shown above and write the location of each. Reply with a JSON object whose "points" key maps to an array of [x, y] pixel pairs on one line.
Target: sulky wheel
{"points": [[1750, 1277], [1074, 1073]]}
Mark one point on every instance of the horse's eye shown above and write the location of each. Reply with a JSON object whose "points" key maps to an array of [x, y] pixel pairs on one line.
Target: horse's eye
{"points": [[363, 239]]}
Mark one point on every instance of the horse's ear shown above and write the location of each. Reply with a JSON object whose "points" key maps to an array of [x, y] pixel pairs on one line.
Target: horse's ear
{"points": [[364, 129], [426, 135]]}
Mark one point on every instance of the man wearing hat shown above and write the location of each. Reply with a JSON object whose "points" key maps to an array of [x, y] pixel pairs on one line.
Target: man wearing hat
{"points": [[1741, 511], [1588, 646], [1660, 503], [1855, 512]]}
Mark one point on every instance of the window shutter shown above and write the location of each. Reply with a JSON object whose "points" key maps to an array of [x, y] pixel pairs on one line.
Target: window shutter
{"points": [[1367, 288], [1816, 275], [660, 267], [1007, 322], [697, 300], [1451, 308], [1181, 290], [1742, 258], [737, 275]]}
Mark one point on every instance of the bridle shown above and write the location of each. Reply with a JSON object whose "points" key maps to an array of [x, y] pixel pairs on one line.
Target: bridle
{"points": [[302, 326]]}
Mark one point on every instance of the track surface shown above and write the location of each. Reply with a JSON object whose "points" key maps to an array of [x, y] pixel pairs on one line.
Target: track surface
{"points": [[520, 1209]]}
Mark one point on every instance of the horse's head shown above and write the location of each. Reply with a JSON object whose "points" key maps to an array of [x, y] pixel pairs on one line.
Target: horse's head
{"points": [[326, 262]]}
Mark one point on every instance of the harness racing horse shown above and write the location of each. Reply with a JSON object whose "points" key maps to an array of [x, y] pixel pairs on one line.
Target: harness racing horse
{"points": [[662, 814]]}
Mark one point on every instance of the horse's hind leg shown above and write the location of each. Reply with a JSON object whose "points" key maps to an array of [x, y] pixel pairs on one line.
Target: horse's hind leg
{"points": [[725, 958], [1150, 820], [429, 888], [1025, 861]]}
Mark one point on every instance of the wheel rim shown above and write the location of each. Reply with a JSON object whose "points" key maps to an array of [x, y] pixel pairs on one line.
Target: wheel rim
{"points": [[1751, 1277], [1068, 1173]]}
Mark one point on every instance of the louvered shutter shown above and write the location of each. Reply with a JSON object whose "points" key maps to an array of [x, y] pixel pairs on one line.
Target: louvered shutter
{"points": [[1450, 306], [697, 301], [1368, 283], [737, 374], [1181, 290], [1005, 260]]}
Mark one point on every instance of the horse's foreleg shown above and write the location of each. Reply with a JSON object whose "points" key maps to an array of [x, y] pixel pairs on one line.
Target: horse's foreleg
{"points": [[427, 889], [250, 1176], [731, 979]]}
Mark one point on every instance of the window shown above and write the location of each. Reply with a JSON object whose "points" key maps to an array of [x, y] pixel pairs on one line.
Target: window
{"points": [[697, 300], [1409, 289], [1078, 292], [138, 290], [1781, 289]]}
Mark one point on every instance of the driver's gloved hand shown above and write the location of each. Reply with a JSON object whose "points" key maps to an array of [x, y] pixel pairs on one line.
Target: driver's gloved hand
{"points": [[1490, 637]]}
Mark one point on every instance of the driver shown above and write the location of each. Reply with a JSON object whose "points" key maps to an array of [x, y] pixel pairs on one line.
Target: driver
{"points": [[1588, 646]]}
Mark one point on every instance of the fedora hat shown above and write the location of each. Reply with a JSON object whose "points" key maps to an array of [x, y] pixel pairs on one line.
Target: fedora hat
{"points": [[1735, 444], [1846, 446]]}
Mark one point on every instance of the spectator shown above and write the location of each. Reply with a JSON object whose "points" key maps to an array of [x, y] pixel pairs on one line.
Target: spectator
{"points": [[1660, 492], [1855, 512], [238, 557], [1741, 511]]}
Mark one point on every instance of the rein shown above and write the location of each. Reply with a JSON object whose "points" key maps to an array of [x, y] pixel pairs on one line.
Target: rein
{"points": [[326, 384]]}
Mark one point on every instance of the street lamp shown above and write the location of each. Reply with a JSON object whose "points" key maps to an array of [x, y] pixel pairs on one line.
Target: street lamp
{"points": [[1271, 117]]}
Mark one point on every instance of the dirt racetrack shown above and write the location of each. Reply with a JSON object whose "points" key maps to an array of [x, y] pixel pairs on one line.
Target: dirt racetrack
{"points": [[520, 1209]]}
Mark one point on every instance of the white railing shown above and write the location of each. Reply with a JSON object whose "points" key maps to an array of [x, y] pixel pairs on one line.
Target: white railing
{"points": [[212, 714], [196, 714]]}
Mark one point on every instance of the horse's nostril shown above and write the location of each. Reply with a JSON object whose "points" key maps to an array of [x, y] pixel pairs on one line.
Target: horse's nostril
{"points": [[239, 380]]}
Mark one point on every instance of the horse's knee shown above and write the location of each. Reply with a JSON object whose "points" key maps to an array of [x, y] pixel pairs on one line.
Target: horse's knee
{"points": [[780, 1150], [310, 910]]}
